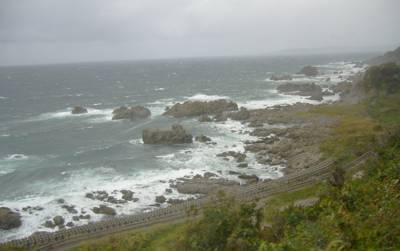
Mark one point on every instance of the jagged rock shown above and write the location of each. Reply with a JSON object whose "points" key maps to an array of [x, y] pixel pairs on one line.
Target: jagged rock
{"points": [[202, 139], [58, 220], [132, 113], [242, 165], [160, 199], [328, 93], [198, 108], [249, 178], [97, 195], [71, 209], [304, 89], [114, 200], [233, 173], [310, 71], [239, 157], [75, 218], [127, 195], [176, 135], [205, 118], [240, 115], [342, 87], [281, 77], [168, 190], [9, 219], [70, 224], [49, 224], [208, 175], [84, 217], [103, 209], [79, 110], [60, 201]]}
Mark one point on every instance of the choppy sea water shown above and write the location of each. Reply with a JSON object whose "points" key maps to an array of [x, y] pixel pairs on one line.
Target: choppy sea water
{"points": [[47, 154]]}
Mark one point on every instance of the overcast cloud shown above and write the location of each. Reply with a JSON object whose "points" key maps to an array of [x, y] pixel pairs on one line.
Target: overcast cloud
{"points": [[49, 31]]}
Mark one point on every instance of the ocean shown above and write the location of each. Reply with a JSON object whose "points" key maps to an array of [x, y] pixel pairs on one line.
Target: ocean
{"points": [[46, 153]]}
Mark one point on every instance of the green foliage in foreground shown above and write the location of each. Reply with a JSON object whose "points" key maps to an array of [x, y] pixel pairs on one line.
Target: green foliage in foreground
{"points": [[383, 79]]}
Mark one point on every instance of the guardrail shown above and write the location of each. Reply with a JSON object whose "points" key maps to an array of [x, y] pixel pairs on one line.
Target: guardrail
{"points": [[309, 176]]}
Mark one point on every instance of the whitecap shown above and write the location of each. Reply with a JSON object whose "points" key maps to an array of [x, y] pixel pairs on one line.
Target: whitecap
{"points": [[205, 97]]}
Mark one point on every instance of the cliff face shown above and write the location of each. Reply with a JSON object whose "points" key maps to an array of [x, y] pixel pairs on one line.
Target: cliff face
{"points": [[389, 57]]}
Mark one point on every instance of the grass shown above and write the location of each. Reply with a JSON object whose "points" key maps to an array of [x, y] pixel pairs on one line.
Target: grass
{"points": [[275, 203], [158, 237]]}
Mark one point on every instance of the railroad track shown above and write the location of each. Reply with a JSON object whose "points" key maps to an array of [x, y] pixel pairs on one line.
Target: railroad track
{"points": [[292, 182]]}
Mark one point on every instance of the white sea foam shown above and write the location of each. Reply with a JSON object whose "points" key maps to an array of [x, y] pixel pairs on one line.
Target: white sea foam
{"points": [[11, 162], [159, 89], [158, 107], [205, 97]]}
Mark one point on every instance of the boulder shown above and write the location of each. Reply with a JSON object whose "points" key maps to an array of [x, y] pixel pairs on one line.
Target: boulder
{"points": [[103, 209], [205, 118], [131, 113], [240, 115], [202, 138], [198, 108], [310, 71], [9, 219], [49, 224], [79, 110], [71, 209], [160, 199], [58, 220], [249, 178], [176, 135], [127, 195]]}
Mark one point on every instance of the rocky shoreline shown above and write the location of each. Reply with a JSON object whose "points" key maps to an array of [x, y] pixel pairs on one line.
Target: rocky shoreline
{"points": [[284, 138]]}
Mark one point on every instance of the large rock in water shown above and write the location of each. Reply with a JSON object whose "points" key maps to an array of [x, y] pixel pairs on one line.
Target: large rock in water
{"points": [[198, 108], [79, 110], [9, 219], [310, 71], [103, 209], [176, 135], [132, 113]]}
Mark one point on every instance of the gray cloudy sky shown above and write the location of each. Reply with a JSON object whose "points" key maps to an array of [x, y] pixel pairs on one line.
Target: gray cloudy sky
{"points": [[48, 31]]}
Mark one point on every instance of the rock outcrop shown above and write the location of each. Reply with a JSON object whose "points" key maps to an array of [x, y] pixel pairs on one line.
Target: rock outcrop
{"points": [[102, 209], [79, 110], [240, 115], [310, 71], [131, 113], [9, 219], [176, 135], [305, 89], [202, 139], [198, 108]]}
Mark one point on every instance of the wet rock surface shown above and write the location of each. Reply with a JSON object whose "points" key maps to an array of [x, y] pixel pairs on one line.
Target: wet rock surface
{"points": [[202, 138], [198, 108], [176, 135], [9, 219], [103, 209], [79, 110], [310, 71], [131, 113]]}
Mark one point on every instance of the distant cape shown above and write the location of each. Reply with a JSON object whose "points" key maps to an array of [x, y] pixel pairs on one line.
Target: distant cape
{"points": [[388, 57]]}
